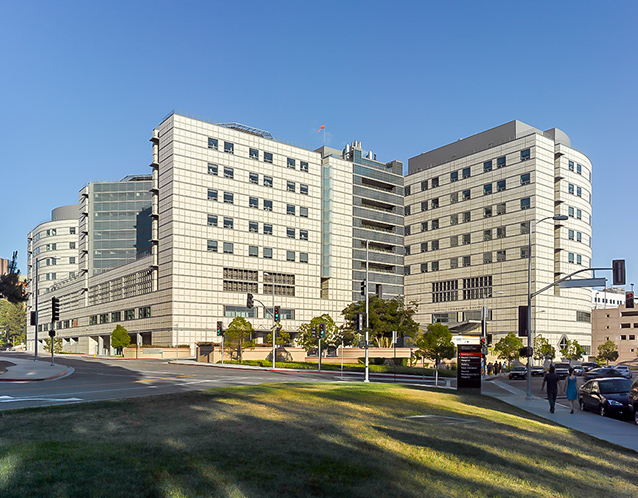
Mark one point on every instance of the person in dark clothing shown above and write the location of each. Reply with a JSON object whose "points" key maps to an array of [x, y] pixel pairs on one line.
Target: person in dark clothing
{"points": [[552, 379]]}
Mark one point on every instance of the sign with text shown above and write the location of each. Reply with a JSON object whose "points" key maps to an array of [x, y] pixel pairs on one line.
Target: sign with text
{"points": [[469, 366]]}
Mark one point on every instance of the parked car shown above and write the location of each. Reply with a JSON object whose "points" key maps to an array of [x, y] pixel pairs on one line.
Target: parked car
{"points": [[598, 373], [562, 369], [625, 370], [518, 373], [588, 365], [538, 371], [607, 396], [633, 400], [578, 369]]}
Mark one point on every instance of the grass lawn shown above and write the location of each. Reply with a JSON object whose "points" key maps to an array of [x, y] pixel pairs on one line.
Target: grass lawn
{"points": [[296, 440]]}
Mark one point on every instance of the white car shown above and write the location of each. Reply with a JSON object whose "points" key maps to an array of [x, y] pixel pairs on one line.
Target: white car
{"points": [[625, 370]]}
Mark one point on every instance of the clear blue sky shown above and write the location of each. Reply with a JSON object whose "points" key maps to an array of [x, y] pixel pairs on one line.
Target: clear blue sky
{"points": [[83, 83]]}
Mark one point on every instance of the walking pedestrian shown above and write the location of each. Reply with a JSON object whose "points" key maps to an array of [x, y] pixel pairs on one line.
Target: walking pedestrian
{"points": [[572, 389], [552, 380], [490, 368]]}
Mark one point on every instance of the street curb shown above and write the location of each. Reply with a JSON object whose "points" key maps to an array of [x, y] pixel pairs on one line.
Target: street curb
{"points": [[91, 357], [53, 377]]}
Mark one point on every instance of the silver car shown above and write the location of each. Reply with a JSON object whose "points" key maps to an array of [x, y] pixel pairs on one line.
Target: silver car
{"points": [[625, 370]]}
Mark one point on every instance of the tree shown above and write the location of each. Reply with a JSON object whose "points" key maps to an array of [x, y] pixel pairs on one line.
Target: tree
{"points": [[573, 351], [57, 345], [435, 344], [10, 285], [13, 320], [238, 336], [608, 351], [386, 316], [308, 340], [281, 337], [507, 348], [120, 338], [543, 350]]}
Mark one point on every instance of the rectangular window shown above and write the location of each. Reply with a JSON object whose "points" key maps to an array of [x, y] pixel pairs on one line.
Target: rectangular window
{"points": [[579, 259], [228, 247], [487, 189], [71, 245], [435, 224], [526, 154], [526, 203], [290, 186], [525, 179], [466, 261], [466, 173], [434, 203], [579, 169], [303, 189], [253, 154], [424, 185], [454, 262], [500, 162], [579, 214], [303, 257], [454, 241], [228, 223], [435, 266], [290, 255], [290, 209], [570, 188], [72, 230], [72, 260], [303, 234], [525, 252], [571, 165], [407, 211], [487, 212], [253, 226], [500, 186], [454, 176], [487, 257], [291, 163], [454, 197], [579, 237], [212, 220], [229, 198], [424, 226], [500, 232], [268, 252], [435, 245], [212, 194], [229, 172], [435, 182], [267, 229], [267, 205], [579, 191], [500, 208], [570, 211], [570, 235], [465, 195], [144, 312], [467, 216], [424, 247], [129, 314], [268, 157], [424, 267], [253, 202], [525, 227], [213, 169], [212, 246], [268, 181], [407, 190], [487, 166], [253, 251], [570, 257], [500, 256], [406, 270], [303, 166], [466, 238], [454, 219], [253, 178], [407, 230], [116, 316], [229, 147], [424, 206], [213, 143], [290, 233], [487, 234], [303, 212]]}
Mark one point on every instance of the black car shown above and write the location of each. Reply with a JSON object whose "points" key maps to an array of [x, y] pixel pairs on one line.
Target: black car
{"points": [[538, 371], [597, 373], [607, 396], [633, 400], [588, 365], [518, 373]]}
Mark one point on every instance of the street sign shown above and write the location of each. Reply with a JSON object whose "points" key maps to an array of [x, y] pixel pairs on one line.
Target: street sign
{"points": [[584, 282], [469, 366]]}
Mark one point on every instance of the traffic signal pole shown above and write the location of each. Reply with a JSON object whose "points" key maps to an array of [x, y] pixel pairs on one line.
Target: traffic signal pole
{"points": [[367, 370]]}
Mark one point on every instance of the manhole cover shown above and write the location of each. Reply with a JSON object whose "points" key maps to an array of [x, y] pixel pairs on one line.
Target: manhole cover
{"points": [[440, 420]]}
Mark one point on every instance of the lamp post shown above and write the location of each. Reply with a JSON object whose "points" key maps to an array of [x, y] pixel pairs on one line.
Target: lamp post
{"points": [[272, 311], [367, 369], [558, 217]]}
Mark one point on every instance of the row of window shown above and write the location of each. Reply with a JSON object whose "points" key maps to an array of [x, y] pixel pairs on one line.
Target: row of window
{"points": [[578, 191], [116, 316], [577, 236], [466, 261], [253, 227], [499, 162], [253, 251], [253, 178], [229, 148], [578, 259], [253, 202], [578, 214], [51, 232], [578, 169], [624, 337]]}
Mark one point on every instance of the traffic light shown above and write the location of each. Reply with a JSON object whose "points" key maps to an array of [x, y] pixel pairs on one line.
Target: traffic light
{"points": [[249, 301], [629, 299], [322, 330], [55, 309], [618, 271], [220, 328], [522, 321], [33, 318], [363, 287], [314, 331], [483, 342], [277, 317], [359, 322]]}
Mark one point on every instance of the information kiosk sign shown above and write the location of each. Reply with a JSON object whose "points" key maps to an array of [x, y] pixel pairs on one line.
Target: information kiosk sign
{"points": [[469, 366]]}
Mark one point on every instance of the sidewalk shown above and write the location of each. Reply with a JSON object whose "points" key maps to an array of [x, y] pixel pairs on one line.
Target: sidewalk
{"points": [[29, 370], [620, 432]]}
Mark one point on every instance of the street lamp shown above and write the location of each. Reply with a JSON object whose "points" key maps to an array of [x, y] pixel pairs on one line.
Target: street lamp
{"points": [[484, 314], [35, 305], [558, 217], [272, 311]]}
